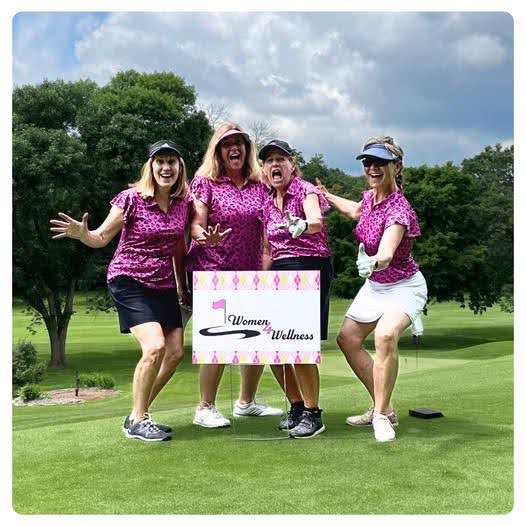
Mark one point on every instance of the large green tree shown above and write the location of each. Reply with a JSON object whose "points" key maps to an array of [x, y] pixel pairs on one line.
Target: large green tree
{"points": [[450, 251], [492, 175], [136, 109], [75, 145], [51, 171]]}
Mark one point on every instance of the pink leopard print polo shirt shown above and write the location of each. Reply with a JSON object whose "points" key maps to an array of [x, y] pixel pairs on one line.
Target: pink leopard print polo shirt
{"points": [[238, 209], [282, 245], [148, 239], [374, 219]]}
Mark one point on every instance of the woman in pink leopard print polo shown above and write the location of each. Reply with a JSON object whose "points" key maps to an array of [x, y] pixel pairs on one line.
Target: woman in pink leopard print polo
{"points": [[296, 239], [227, 235], [394, 292], [151, 216]]}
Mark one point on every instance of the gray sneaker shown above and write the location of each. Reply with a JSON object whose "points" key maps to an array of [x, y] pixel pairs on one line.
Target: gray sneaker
{"points": [[309, 426], [162, 427], [367, 418], [146, 430], [292, 418], [126, 425], [148, 416]]}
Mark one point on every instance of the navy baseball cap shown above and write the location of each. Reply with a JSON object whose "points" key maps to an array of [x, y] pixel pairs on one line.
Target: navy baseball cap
{"points": [[379, 151], [164, 146], [277, 145]]}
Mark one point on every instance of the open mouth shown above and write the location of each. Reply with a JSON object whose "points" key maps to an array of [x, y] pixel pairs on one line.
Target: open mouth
{"points": [[234, 156], [376, 176], [276, 174]]}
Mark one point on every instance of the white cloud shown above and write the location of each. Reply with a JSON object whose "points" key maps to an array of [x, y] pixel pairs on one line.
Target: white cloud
{"points": [[324, 81], [480, 50], [280, 57]]}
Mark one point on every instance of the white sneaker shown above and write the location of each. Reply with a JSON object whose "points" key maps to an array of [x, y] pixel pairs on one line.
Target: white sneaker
{"points": [[255, 409], [209, 416], [383, 429], [367, 418]]}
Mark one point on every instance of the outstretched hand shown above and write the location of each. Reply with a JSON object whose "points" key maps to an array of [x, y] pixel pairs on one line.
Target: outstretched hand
{"points": [[295, 225], [321, 187], [366, 264], [69, 227], [212, 236]]}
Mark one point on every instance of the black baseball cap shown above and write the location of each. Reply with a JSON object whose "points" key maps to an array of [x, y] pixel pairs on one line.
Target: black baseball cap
{"points": [[276, 144], [164, 146]]}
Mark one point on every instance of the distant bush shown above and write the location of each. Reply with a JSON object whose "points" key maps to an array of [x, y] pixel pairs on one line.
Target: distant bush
{"points": [[29, 392], [26, 368], [102, 381]]}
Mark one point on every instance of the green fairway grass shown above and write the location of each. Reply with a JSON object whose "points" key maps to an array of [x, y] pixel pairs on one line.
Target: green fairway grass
{"points": [[74, 459]]}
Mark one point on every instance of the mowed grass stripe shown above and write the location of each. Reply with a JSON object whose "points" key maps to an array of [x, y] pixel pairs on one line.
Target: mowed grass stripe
{"points": [[430, 465], [74, 459]]}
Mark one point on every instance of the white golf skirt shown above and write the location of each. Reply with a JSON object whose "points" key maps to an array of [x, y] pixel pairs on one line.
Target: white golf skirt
{"points": [[409, 295]]}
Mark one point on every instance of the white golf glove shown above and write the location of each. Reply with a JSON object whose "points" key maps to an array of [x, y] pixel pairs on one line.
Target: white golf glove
{"points": [[366, 264], [295, 225]]}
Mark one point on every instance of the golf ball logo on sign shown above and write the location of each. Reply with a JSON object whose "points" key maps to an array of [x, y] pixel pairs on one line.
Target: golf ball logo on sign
{"points": [[249, 317]]}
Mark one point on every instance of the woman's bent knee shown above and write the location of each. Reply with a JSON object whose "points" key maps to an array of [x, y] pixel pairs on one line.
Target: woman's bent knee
{"points": [[386, 338], [153, 352], [175, 355], [348, 342]]}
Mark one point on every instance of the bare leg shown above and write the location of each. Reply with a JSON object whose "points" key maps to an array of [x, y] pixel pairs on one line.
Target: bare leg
{"points": [[174, 352], [350, 340], [309, 381], [151, 339], [209, 378], [250, 376], [386, 336], [287, 380]]}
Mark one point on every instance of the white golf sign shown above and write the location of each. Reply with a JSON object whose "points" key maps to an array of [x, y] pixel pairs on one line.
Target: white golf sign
{"points": [[256, 317]]}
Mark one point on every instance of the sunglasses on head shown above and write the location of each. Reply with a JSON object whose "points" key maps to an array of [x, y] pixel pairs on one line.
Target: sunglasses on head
{"points": [[376, 161]]}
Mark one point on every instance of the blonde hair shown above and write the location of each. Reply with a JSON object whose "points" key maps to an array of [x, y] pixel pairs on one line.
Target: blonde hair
{"points": [[146, 184], [389, 144], [212, 165]]}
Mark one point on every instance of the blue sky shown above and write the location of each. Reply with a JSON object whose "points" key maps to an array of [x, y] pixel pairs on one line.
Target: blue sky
{"points": [[440, 83]]}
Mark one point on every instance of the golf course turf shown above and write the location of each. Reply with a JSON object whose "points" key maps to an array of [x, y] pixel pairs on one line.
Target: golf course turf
{"points": [[74, 459]]}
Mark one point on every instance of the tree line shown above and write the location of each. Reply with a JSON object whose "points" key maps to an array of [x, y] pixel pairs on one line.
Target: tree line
{"points": [[76, 145]]}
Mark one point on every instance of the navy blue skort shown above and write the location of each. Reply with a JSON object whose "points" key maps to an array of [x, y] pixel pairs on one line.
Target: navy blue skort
{"points": [[138, 304]]}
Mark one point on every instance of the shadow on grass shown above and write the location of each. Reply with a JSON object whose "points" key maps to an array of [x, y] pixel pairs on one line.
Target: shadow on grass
{"points": [[447, 430], [447, 427], [444, 339], [457, 339]]}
